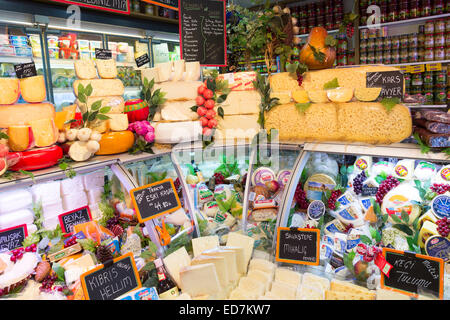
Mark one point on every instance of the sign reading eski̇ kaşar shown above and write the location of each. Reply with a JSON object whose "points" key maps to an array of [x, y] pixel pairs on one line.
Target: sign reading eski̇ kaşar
{"points": [[203, 31]]}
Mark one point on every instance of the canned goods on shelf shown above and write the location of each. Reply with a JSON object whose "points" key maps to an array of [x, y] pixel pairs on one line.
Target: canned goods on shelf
{"points": [[429, 41], [447, 53], [395, 40], [413, 41], [440, 96], [364, 34], [447, 22], [439, 25], [395, 56], [429, 97], [439, 40], [439, 53], [429, 54], [428, 77], [429, 27]]}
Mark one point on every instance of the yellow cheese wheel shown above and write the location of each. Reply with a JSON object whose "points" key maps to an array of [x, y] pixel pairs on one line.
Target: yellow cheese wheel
{"points": [[367, 94], [33, 89], [340, 94], [19, 138], [300, 96], [45, 132], [9, 90], [318, 96], [22, 114], [115, 142]]}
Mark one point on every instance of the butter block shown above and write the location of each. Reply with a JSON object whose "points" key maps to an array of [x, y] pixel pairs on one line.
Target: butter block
{"points": [[240, 258], [230, 259]]}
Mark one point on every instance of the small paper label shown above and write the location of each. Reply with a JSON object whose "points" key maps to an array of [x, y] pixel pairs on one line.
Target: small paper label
{"points": [[142, 60]]}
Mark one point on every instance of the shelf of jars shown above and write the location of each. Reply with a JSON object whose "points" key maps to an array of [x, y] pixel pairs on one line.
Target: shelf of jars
{"points": [[408, 21]]}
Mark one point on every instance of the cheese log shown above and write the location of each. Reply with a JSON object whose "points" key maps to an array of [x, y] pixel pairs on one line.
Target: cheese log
{"points": [[179, 91], [164, 70], [118, 122], [176, 261], [178, 68], [433, 127], [45, 132], [150, 74], [33, 89], [106, 68], [101, 87], [243, 127], [177, 132], [434, 140], [9, 90], [13, 200], [252, 286], [178, 111], [116, 103], [239, 240], [85, 69], [200, 280], [288, 276], [192, 71], [204, 243], [22, 114], [241, 102], [219, 263], [20, 138], [115, 142], [283, 290]]}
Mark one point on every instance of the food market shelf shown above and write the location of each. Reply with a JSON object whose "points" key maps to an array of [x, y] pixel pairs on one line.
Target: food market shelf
{"points": [[417, 63], [16, 59], [410, 21], [424, 106], [68, 63], [307, 34]]}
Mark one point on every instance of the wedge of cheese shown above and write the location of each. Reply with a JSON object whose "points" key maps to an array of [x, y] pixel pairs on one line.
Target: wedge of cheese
{"points": [[106, 68], [175, 261], [263, 265], [252, 286], [150, 74], [318, 96], [179, 91], [288, 276], [118, 122], [178, 70], [219, 263], [20, 138], [9, 90], [204, 243], [230, 259], [283, 290], [308, 292], [101, 87], [116, 103], [342, 295], [178, 111], [33, 89], [314, 281], [164, 70], [240, 258], [261, 276], [239, 240], [200, 280], [45, 132], [241, 103], [85, 69], [192, 71], [340, 94], [66, 114], [367, 94]]}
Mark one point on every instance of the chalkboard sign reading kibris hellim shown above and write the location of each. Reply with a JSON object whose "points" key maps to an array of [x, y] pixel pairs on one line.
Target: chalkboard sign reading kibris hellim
{"points": [[25, 70], [12, 238], [414, 274], [69, 219], [203, 32], [156, 199], [390, 82], [112, 281], [118, 6], [298, 246]]}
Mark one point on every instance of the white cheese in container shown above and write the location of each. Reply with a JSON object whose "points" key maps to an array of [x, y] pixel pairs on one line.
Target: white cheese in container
{"points": [[14, 200], [74, 201], [23, 216], [54, 209], [46, 192], [94, 180], [72, 185]]}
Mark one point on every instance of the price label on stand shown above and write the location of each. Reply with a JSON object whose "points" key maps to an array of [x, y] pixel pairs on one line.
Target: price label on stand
{"points": [[419, 68], [69, 219], [142, 60], [434, 66], [414, 274], [108, 282], [154, 200], [12, 238], [25, 70], [298, 246], [103, 54]]}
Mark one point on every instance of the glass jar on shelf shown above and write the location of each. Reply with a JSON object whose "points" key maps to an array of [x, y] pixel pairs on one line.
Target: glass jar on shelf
{"points": [[447, 23], [387, 43], [404, 55], [440, 78], [371, 44], [395, 56], [428, 79], [429, 27], [413, 55], [363, 45], [386, 57], [421, 53], [414, 9], [429, 54], [403, 13], [426, 8], [395, 40], [439, 53], [371, 57], [363, 58], [378, 57], [439, 39], [440, 96], [438, 7], [439, 25], [429, 97], [379, 44], [413, 40], [447, 53], [404, 41], [429, 41], [393, 12]]}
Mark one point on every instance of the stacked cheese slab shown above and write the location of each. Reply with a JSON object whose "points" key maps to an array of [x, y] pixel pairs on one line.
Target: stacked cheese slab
{"points": [[16, 209], [175, 122]]}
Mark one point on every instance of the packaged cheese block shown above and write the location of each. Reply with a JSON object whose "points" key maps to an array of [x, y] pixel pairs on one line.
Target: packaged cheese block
{"points": [[367, 94], [235, 239], [178, 69], [116, 103], [318, 96], [45, 132], [204, 243], [115, 142], [192, 71], [283, 81], [9, 90], [242, 294], [252, 286], [20, 138], [241, 102], [243, 127], [262, 277], [300, 96], [85, 69], [230, 259], [179, 91], [340, 94], [288, 276], [308, 292], [177, 132], [239, 81], [343, 295], [347, 287], [283, 290], [106, 68], [283, 96], [164, 70], [101, 87], [175, 261], [118, 122], [219, 263], [314, 280], [22, 114], [33, 89], [150, 74], [178, 111], [200, 280], [240, 258], [263, 265], [385, 294]]}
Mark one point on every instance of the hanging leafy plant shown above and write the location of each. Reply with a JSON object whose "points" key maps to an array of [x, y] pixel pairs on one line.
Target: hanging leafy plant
{"points": [[262, 84], [96, 112]]}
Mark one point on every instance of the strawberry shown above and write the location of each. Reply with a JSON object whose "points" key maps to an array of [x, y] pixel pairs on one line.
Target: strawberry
{"points": [[209, 104], [212, 123], [210, 114], [208, 94], [200, 101], [201, 111], [204, 121], [201, 89]]}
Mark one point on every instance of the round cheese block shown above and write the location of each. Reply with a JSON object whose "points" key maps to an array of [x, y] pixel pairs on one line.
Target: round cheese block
{"points": [[35, 159], [443, 175], [283, 177], [115, 142], [262, 175], [317, 184], [440, 206], [439, 247], [136, 110], [402, 198]]}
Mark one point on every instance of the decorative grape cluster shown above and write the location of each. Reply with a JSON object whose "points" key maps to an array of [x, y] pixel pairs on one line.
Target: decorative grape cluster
{"points": [[350, 30], [440, 188], [358, 182], [112, 222], [332, 200], [299, 79], [443, 226], [219, 178], [71, 242], [31, 248], [300, 197], [177, 184], [17, 254], [386, 186], [48, 282]]}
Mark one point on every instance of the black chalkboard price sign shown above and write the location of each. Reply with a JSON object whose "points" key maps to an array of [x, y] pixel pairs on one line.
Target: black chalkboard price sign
{"points": [[12, 238], [69, 219], [156, 199], [112, 281], [103, 54], [25, 70], [299, 246], [203, 32], [118, 6], [142, 60], [390, 82], [414, 274]]}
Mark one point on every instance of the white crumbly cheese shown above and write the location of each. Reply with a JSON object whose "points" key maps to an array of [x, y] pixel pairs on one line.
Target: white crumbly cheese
{"points": [[54, 209], [200, 280], [164, 70], [242, 102], [175, 261], [94, 180], [94, 195], [177, 132], [242, 127], [178, 69], [241, 294], [181, 90], [74, 201], [71, 185], [204, 243], [46, 192], [252, 285], [307, 292], [15, 218], [261, 276], [149, 74], [178, 111], [239, 240], [240, 258], [192, 71], [288, 276], [262, 265], [283, 290], [219, 263], [14, 200]]}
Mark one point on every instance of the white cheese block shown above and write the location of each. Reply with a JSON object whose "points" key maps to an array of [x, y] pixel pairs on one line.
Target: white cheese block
{"points": [[14, 200], [116, 103], [219, 263], [288, 276], [15, 218], [242, 102], [263, 265], [175, 261], [259, 254], [106, 68], [177, 132], [283, 290], [74, 201], [242, 294], [242, 127], [50, 223], [178, 68], [314, 280], [204, 243], [192, 71], [94, 195], [118, 122], [252, 285], [94, 180], [101, 87], [240, 258], [71, 185], [181, 91], [200, 280], [150, 73], [230, 259], [164, 70], [261, 276], [178, 111], [307, 292], [46, 192], [385, 294], [239, 240], [96, 213], [269, 296], [54, 209]]}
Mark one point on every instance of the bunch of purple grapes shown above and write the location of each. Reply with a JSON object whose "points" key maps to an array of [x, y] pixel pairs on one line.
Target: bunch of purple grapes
{"points": [[358, 182], [443, 226], [300, 197], [48, 282], [386, 186]]}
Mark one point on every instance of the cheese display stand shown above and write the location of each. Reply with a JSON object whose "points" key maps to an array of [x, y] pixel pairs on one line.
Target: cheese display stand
{"points": [[312, 178]]}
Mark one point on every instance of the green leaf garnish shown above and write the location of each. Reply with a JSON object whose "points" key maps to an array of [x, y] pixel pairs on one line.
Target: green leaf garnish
{"points": [[423, 147], [96, 105], [389, 103], [102, 117], [28, 173], [220, 112], [302, 107], [332, 84], [3, 135]]}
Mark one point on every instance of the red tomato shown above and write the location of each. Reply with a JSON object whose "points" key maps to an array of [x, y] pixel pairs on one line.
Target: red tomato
{"points": [[201, 111], [208, 94], [209, 104], [204, 121], [200, 100], [210, 114], [207, 131], [201, 89], [212, 123]]}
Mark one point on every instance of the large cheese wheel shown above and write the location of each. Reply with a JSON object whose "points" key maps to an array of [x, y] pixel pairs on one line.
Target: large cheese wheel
{"points": [[101, 87], [22, 114], [115, 142], [9, 90], [33, 89], [45, 132], [20, 138], [35, 159]]}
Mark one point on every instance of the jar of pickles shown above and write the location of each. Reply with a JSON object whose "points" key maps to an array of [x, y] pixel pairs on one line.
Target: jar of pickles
{"points": [[378, 57], [421, 53], [439, 40], [386, 57], [371, 44], [404, 55], [429, 27], [439, 53], [426, 8], [439, 26], [413, 40], [440, 96], [363, 45], [414, 9], [363, 58], [404, 41], [438, 7], [371, 58], [440, 78], [395, 56], [429, 98], [429, 54], [395, 42], [387, 44], [379, 43], [403, 13], [413, 55], [428, 80], [429, 41]]}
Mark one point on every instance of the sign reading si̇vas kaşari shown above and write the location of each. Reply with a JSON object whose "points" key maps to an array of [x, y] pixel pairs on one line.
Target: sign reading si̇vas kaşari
{"points": [[119, 6], [203, 32]]}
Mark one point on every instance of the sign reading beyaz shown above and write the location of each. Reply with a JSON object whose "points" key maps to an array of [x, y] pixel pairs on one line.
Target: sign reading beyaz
{"points": [[118, 6], [69, 219]]}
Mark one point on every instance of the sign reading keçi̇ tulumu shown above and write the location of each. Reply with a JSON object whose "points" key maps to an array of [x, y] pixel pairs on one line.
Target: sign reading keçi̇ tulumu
{"points": [[299, 246], [118, 6], [203, 31], [155, 199]]}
